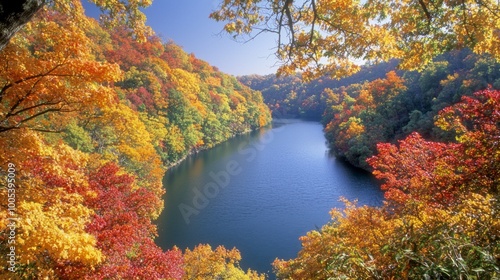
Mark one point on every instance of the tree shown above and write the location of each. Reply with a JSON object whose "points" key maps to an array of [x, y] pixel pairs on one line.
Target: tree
{"points": [[51, 186], [49, 69], [438, 173], [418, 170], [476, 122], [361, 116], [327, 37], [15, 14], [204, 263], [123, 229]]}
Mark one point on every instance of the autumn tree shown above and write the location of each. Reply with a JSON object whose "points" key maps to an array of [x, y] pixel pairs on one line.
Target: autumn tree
{"points": [[51, 186], [14, 15], [419, 170], [205, 263], [123, 229], [359, 116], [327, 37], [48, 69], [362, 242], [437, 173]]}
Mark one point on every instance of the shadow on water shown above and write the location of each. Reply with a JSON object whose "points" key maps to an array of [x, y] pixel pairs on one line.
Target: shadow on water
{"points": [[362, 185]]}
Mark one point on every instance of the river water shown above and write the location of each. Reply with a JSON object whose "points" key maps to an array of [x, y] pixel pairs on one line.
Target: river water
{"points": [[259, 192]]}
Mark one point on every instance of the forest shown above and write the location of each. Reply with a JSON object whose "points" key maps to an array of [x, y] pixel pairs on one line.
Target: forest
{"points": [[92, 114], [90, 120]]}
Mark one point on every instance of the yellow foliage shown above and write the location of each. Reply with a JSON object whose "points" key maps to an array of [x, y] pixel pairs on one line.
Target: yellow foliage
{"points": [[128, 141], [353, 239], [331, 36], [355, 127], [50, 70], [50, 189], [204, 263], [188, 84]]}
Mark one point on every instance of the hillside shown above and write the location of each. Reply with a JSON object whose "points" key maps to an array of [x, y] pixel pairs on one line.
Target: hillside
{"points": [[90, 119], [380, 103], [289, 96]]}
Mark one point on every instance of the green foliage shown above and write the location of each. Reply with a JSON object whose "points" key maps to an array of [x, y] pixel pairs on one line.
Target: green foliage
{"points": [[78, 138], [388, 112], [291, 96]]}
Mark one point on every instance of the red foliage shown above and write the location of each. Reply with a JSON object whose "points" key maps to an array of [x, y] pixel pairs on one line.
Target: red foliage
{"points": [[216, 98], [199, 65], [135, 100], [418, 170], [142, 97], [174, 56], [477, 122], [129, 52], [437, 173], [40, 167], [124, 231]]}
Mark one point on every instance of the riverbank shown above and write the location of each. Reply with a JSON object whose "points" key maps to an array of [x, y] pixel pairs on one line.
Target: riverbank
{"points": [[196, 151]]}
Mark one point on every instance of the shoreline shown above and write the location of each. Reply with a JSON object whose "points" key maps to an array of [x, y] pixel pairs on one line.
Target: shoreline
{"points": [[196, 151]]}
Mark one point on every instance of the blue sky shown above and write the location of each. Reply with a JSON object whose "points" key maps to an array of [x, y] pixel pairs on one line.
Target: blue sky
{"points": [[186, 22]]}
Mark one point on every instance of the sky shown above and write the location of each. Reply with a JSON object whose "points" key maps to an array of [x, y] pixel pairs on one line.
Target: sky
{"points": [[186, 22]]}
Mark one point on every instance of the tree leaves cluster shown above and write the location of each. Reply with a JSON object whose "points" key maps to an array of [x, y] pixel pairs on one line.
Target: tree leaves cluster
{"points": [[320, 37]]}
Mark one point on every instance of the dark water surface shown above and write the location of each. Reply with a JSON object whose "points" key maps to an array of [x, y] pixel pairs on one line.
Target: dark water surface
{"points": [[259, 192]]}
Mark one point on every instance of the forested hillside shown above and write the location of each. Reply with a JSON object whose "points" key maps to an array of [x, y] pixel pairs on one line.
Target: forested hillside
{"points": [[379, 103], [290, 96], [93, 113], [385, 110], [90, 118]]}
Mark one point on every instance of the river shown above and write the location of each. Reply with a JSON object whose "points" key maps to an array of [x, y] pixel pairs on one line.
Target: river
{"points": [[259, 192]]}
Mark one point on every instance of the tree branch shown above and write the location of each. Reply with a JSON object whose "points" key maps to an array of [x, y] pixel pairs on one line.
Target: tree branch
{"points": [[426, 11], [41, 75]]}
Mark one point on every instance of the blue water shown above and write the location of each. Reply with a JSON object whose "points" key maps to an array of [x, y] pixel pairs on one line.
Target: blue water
{"points": [[259, 192]]}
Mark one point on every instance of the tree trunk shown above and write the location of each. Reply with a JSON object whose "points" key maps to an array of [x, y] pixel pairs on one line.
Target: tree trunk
{"points": [[14, 14]]}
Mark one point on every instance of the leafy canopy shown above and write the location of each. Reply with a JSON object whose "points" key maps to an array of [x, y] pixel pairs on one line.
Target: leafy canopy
{"points": [[329, 36]]}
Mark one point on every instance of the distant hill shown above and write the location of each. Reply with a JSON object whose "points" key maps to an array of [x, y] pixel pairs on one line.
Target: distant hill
{"points": [[290, 97]]}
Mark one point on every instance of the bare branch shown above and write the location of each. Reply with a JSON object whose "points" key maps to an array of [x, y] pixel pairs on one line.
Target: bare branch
{"points": [[18, 125], [315, 12], [426, 11]]}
